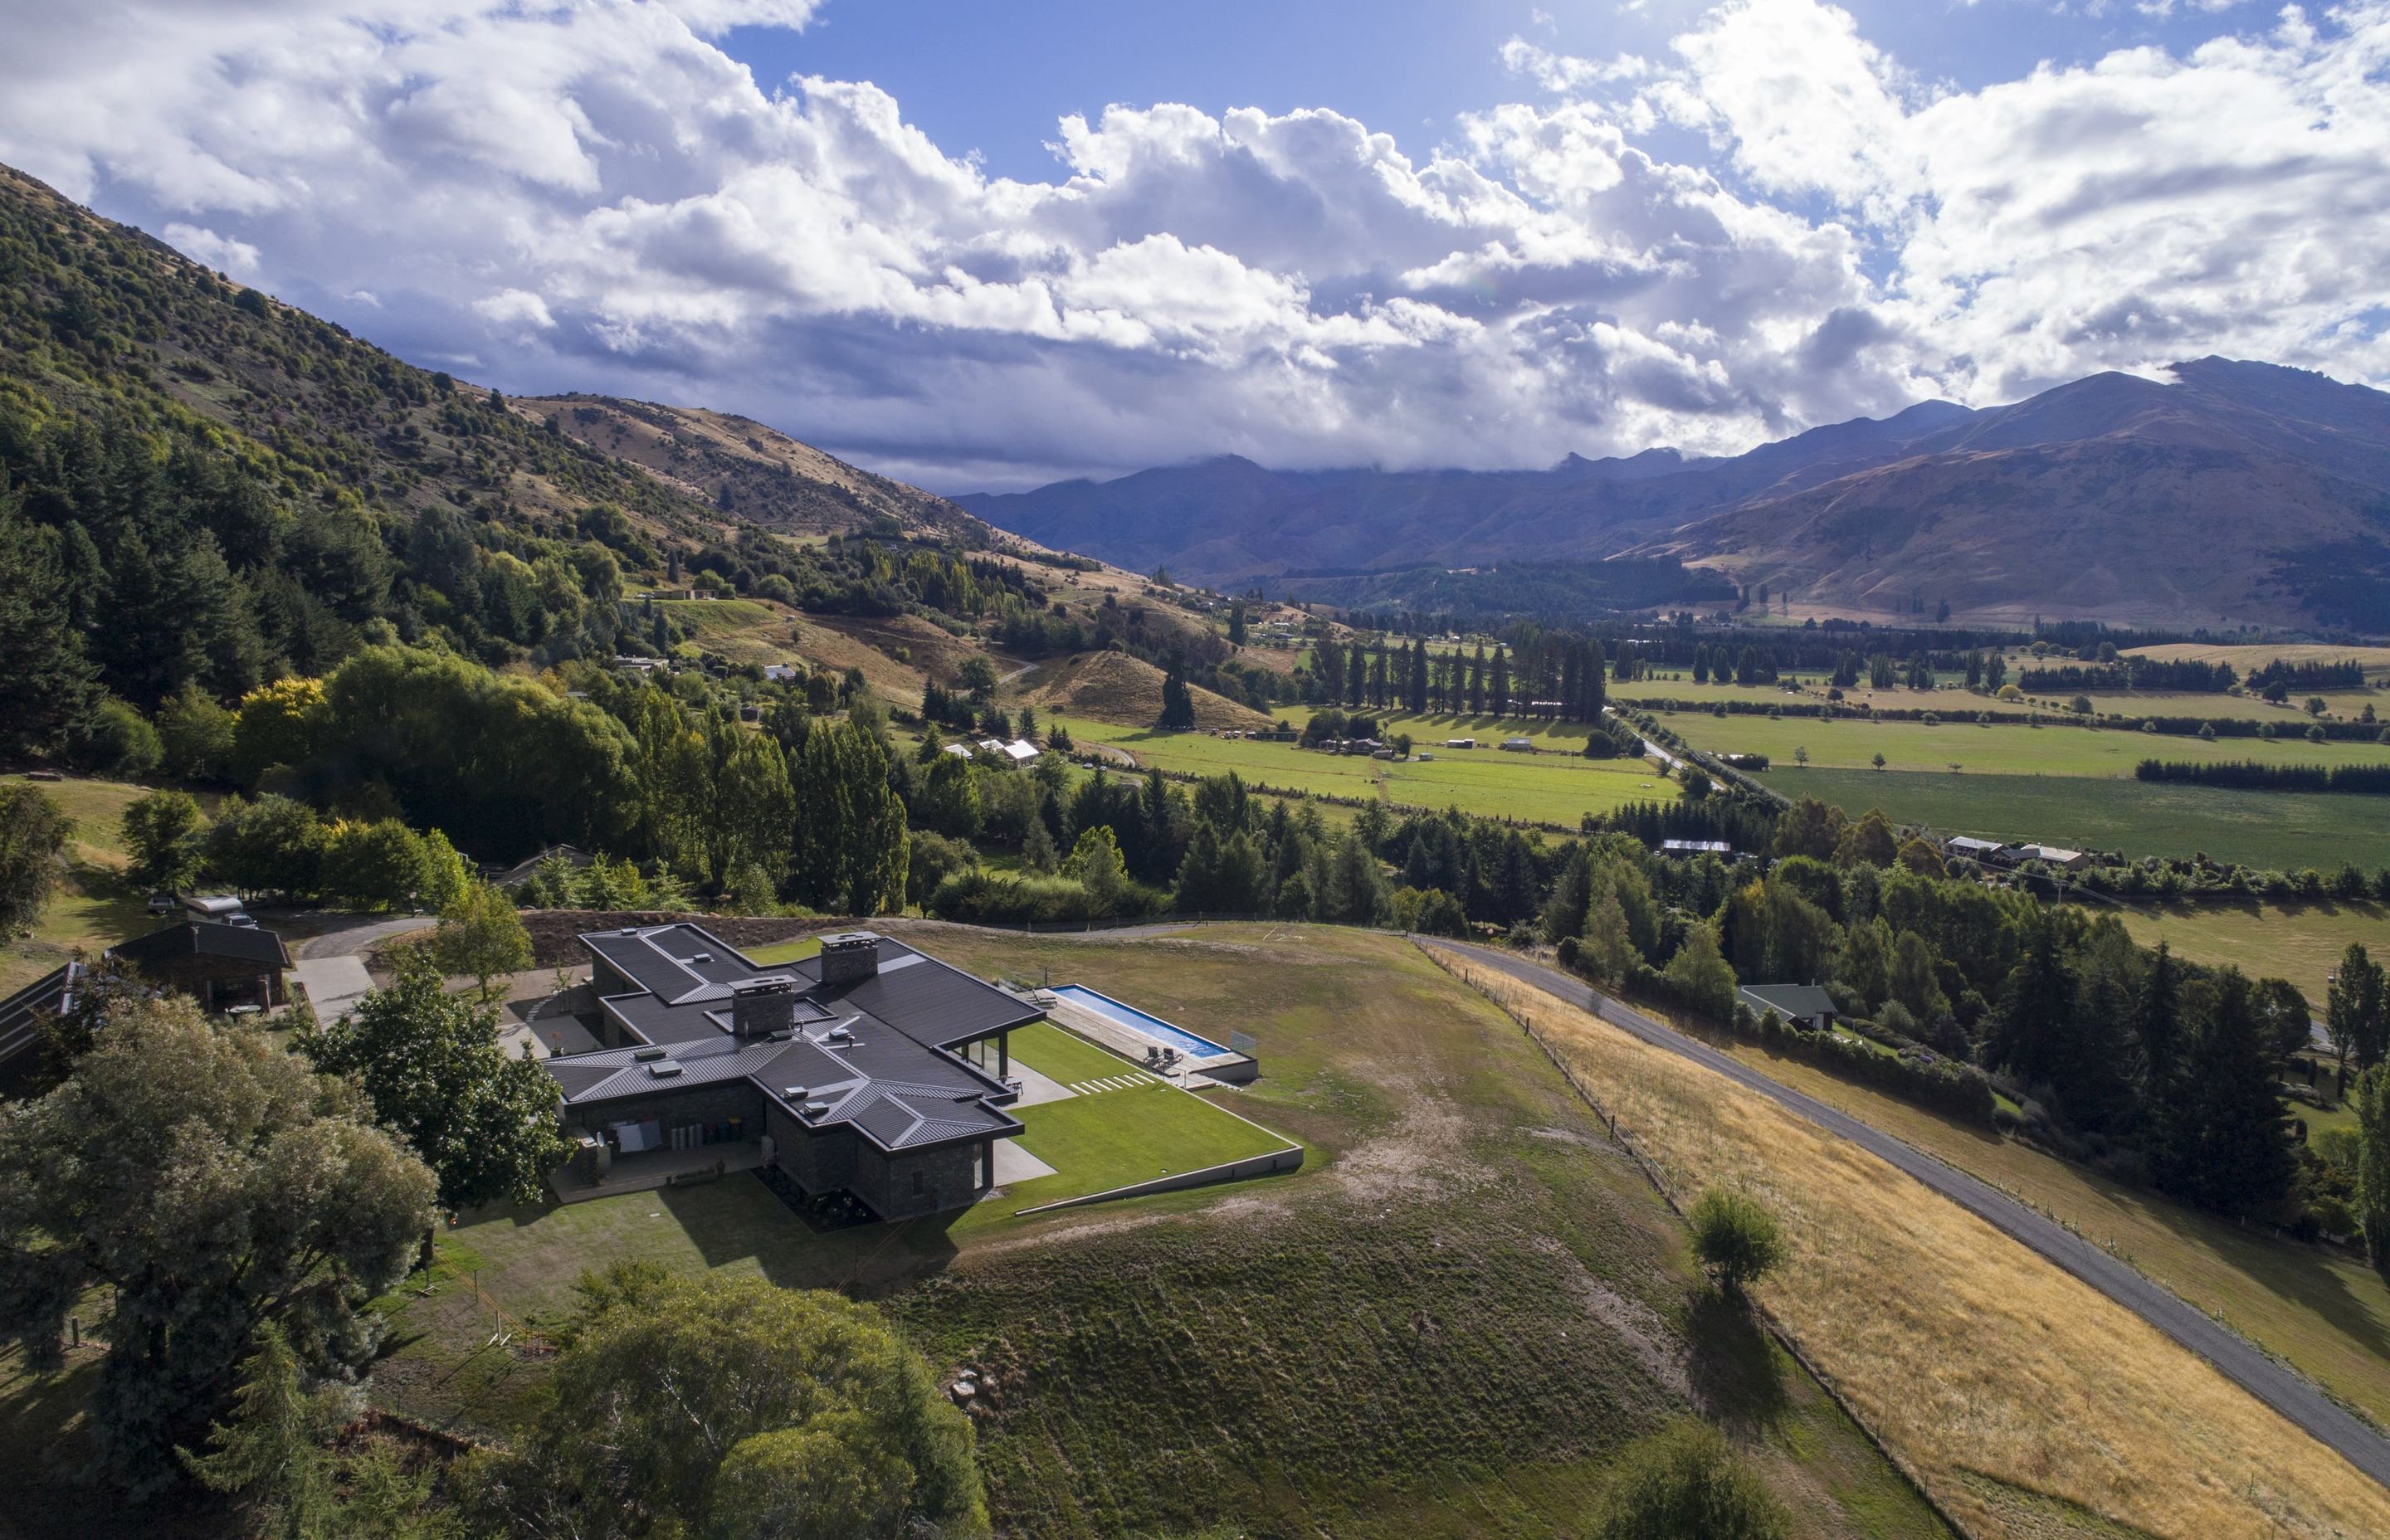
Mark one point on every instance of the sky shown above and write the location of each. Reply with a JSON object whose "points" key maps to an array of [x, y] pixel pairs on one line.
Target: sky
{"points": [[982, 246]]}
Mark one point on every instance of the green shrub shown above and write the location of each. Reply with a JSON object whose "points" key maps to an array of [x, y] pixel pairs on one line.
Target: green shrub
{"points": [[1735, 1238], [1684, 1483]]}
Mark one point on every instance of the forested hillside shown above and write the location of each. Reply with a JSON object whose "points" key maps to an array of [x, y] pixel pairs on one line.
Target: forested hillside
{"points": [[199, 486]]}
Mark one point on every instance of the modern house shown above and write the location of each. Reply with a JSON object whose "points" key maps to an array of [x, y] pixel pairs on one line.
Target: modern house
{"points": [[1696, 847], [1972, 849], [1802, 1005], [220, 966], [872, 1069]]}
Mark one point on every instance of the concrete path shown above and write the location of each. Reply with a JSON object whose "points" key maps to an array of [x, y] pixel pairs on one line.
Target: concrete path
{"points": [[1016, 1165], [1037, 1088], [334, 985], [2242, 1362]]}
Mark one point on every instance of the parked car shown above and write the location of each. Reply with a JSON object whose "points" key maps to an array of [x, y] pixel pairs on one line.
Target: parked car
{"points": [[164, 904], [247, 922]]}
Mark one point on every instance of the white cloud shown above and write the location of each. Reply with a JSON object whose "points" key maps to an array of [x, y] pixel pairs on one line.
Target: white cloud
{"points": [[235, 257], [591, 194], [516, 308]]}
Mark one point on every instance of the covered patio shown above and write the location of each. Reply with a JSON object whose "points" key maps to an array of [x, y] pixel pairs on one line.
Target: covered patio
{"points": [[650, 1169]]}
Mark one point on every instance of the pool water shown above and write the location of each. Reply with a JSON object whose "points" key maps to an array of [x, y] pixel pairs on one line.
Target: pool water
{"points": [[1138, 1021]]}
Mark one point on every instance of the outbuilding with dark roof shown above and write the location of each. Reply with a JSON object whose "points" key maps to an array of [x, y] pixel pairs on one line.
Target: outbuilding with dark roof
{"points": [[220, 966]]}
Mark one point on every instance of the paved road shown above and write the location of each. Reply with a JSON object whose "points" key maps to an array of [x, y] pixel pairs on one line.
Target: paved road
{"points": [[2283, 1388]]}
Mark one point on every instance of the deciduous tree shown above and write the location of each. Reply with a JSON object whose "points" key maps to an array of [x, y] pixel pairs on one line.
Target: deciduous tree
{"points": [[485, 1121], [207, 1181]]}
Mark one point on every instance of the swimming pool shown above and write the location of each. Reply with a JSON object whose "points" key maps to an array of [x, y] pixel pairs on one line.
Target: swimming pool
{"points": [[1138, 1021]]}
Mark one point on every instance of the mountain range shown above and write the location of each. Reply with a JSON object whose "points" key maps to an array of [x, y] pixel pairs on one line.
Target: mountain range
{"points": [[2230, 492]]}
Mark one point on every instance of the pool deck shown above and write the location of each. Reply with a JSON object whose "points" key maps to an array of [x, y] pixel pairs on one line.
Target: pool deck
{"points": [[1221, 1069]]}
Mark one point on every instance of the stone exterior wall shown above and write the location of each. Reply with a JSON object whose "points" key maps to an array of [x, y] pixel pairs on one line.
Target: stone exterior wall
{"points": [[886, 1183], [830, 1159]]}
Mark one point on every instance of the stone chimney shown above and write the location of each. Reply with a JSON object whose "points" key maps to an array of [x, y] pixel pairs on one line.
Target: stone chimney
{"points": [[762, 1007], [848, 956]]}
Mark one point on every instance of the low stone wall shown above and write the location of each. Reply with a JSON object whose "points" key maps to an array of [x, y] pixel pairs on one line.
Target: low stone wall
{"points": [[1289, 1159]]}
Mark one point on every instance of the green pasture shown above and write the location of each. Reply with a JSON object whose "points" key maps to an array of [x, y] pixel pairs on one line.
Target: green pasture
{"points": [[1557, 786], [2052, 748], [2284, 830], [2301, 943]]}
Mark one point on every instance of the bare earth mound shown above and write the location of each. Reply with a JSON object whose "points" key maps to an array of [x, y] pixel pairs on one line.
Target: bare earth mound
{"points": [[1113, 686]]}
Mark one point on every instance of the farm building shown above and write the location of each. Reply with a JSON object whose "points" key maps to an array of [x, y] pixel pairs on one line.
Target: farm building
{"points": [[2054, 856], [1696, 847], [872, 1071], [1520, 745], [220, 966], [1972, 849], [1802, 1005]]}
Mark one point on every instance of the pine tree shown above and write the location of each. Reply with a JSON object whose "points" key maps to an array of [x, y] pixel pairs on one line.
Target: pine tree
{"points": [[2032, 1018], [2374, 1164], [2226, 1144], [2157, 1030], [1177, 700], [1502, 687]]}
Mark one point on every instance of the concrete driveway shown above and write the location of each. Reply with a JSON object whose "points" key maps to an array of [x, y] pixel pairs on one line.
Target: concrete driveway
{"points": [[332, 965]]}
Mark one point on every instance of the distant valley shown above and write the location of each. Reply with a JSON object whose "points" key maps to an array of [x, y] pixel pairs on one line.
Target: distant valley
{"points": [[2237, 493]]}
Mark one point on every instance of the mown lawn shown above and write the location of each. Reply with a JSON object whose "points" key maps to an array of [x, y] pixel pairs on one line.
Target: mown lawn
{"points": [[1059, 1056], [2279, 830], [1117, 1139]]}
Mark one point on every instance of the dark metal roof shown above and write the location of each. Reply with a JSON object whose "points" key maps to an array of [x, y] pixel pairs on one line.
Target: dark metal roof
{"points": [[1793, 1001], [893, 1077], [201, 938], [21, 1014]]}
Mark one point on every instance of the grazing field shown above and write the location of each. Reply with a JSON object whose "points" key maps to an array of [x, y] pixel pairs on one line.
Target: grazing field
{"points": [[2290, 716], [1556, 787], [2298, 941], [96, 907], [1445, 1326], [2376, 660], [2015, 748], [2320, 1309], [1971, 1357], [2272, 830]]}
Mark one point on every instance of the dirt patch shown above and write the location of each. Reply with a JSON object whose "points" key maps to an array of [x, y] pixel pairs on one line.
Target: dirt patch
{"points": [[1645, 1333]]}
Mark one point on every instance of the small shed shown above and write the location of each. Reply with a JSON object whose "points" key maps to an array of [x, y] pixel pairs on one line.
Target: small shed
{"points": [[1802, 1005], [1520, 745], [220, 966]]}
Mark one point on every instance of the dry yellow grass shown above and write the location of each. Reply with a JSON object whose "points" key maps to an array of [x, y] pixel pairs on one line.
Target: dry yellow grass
{"points": [[1113, 686], [1967, 1353]]}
